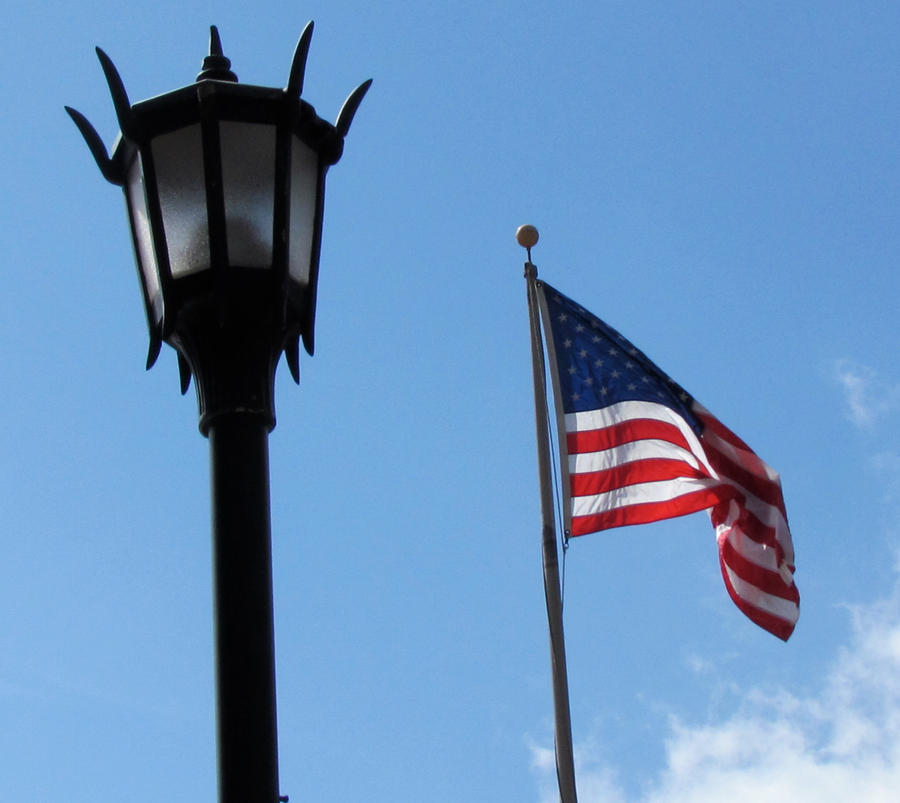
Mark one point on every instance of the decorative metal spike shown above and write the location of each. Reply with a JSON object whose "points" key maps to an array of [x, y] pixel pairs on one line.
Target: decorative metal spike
{"points": [[298, 64], [153, 351], [309, 338], [117, 90], [348, 110], [292, 357], [107, 167], [184, 372], [215, 66], [215, 41]]}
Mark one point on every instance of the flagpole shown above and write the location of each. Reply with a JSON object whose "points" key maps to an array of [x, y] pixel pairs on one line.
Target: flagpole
{"points": [[527, 236]]}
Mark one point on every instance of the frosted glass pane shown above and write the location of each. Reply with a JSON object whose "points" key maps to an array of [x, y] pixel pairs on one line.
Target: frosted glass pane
{"points": [[178, 159], [304, 178], [248, 177], [136, 199]]}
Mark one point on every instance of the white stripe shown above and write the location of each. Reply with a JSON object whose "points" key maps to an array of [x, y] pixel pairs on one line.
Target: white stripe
{"points": [[769, 515], [749, 461], [628, 410], [759, 554], [650, 448], [642, 493], [773, 517], [782, 608]]}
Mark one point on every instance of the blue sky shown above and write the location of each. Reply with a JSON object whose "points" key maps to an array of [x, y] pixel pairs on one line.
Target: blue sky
{"points": [[718, 180]]}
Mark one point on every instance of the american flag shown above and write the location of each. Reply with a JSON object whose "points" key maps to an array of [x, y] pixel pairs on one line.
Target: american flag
{"points": [[636, 448]]}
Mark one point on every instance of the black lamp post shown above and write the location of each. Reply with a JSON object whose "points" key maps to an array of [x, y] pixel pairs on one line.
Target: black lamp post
{"points": [[224, 185]]}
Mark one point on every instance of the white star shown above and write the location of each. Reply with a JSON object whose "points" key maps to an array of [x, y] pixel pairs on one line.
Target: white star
{"points": [[632, 386], [613, 352], [579, 328], [589, 381], [582, 353], [572, 370], [596, 339], [616, 375], [567, 343], [563, 317], [629, 364], [598, 363], [645, 379], [603, 391]]}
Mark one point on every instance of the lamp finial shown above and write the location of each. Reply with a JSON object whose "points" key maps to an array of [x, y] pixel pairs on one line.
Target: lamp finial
{"points": [[216, 66]]}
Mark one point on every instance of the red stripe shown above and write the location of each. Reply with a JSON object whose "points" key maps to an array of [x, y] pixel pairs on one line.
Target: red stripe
{"points": [[761, 487], [767, 621], [713, 423], [750, 525], [643, 513], [636, 429], [638, 471], [766, 580]]}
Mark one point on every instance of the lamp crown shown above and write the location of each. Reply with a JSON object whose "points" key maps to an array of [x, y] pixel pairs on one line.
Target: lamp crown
{"points": [[216, 66]]}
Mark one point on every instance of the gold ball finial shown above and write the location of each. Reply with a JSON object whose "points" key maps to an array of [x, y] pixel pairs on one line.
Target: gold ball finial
{"points": [[527, 236]]}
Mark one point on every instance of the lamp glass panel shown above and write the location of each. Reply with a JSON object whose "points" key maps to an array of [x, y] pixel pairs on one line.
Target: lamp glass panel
{"points": [[178, 161], [304, 188], [248, 178], [136, 198]]}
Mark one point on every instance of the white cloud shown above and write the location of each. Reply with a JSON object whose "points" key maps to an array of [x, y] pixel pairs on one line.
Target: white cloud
{"points": [[887, 465], [595, 783], [870, 401], [868, 397], [843, 743]]}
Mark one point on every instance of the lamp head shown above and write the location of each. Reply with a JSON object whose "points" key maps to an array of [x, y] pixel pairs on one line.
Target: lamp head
{"points": [[224, 185]]}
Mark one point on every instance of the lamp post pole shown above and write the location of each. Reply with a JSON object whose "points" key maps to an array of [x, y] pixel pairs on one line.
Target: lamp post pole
{"points": [[224, 185], [244, 629]]}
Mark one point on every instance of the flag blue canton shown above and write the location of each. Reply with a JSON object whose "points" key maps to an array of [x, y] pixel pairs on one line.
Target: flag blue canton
{"points": [[598, 366]]}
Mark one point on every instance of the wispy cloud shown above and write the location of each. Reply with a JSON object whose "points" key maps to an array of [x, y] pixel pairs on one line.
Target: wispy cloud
{"points": [[868, 396], [595, 783], [887, 465], [871, 399], [842, 743]]}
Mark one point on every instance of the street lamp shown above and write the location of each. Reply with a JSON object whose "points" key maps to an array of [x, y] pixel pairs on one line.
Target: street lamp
{"points": [[224, 185]]}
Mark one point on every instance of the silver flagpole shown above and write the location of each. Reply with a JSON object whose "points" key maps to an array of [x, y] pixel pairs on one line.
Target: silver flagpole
{"points": [[527, 236]]}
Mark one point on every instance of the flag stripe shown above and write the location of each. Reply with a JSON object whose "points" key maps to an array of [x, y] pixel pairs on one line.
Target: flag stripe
{"points": [[626, 411], [650, 469], [645, 512], [767, 581], [595, 440], [758, 552], [642, 493], [776, 625], [636, 451], [762, 488], [773, 531], [758, 601], [713, 423], [739, 456]]}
